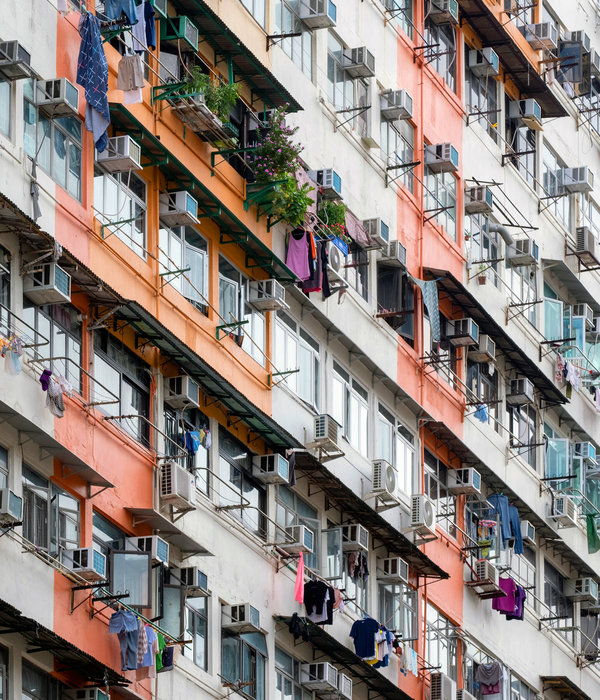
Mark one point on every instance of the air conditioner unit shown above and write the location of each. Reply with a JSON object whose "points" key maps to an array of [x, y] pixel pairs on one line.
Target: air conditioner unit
{"points": [[486, 571], [335, 262], [296, 539], [240, 618], [359, 62], [587, 312], [271, 469], [393, 570], [155, 545], [586, 245], [47, 283], [524, 252], [180, 28], [527, 112], [385, 479], [564, 511], [328, 181], [587, 452], [58, 97], [318, 14], [355, 538], [14, 61], [396, 104], [595, 61], [344, 686], [195, 582], [320, 677], [521, 392], [441, 158], [479, 200], [377, 230], [121, 155], [394, 254], [582, 589], [464, 695], [177, 486], [596, 328], [422, 515], [528, 532], [485, 351], [86, 562], [182, 392], [327, 431], [267, 295], [579, 179], [11, 507], [442, 687], [582, 38], [85, 694], [462, 331], [484, 63], [466, 480], [542, 36], [443, 11], [178, 208]]}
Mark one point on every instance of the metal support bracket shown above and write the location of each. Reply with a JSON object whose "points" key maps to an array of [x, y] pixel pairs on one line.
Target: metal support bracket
{"points": [[226, 328], [115, 223], [355, 112], [524, 305], [284, 375], [437, 211], [177, 273], [403, 166], [272, 39]]}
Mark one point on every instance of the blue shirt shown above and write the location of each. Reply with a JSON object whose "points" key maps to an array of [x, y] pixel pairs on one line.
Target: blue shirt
{"points": [[363, 632]]}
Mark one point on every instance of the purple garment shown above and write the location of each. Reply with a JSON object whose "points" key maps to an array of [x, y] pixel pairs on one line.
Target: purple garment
{"points": [[297, 254], [507, 603], [313, 283], [520, 597]]}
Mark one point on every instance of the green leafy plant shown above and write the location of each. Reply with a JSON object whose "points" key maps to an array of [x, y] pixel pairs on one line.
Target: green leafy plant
{"points": [[290, 202], [333, 215], [276, 156], [219, 97]]}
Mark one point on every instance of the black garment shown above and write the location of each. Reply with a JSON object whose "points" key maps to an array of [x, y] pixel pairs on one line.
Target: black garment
{"points": [[292, 462], [324, 268], [313, 283], [314, 596]]}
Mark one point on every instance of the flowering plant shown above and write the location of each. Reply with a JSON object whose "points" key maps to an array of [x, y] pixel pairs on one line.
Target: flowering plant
{"points": [[276, 155]]}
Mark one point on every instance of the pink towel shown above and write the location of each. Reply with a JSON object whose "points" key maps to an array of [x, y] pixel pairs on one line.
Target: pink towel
{"points": [[299, 587]]}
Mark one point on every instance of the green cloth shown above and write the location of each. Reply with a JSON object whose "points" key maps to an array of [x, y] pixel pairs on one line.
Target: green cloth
{"points": [[161, 646], [592, 533]]}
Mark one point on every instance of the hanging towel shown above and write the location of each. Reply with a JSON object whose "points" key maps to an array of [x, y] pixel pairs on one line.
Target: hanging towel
{"points": [[114, 8], [489, 676], [593, 541], [430, 299], [515, 528], [138, 30], [54, 398], [299, 587], [92, 75], [500, 504], [481, 413]]}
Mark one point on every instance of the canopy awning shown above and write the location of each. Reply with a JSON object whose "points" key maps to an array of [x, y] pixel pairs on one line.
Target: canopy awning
{"points": [[565, 687], [168, 530]]}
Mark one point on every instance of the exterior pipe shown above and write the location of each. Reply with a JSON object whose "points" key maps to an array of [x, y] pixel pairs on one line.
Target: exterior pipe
{"points": [[504, 232]]}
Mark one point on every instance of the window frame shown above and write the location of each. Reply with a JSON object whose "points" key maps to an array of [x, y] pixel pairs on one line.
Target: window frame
{"points": [[6, 101], [292, 678], [337, 74], [404, 601], [436, 488], [443, 639], [443, 60], [561, 205], [193, 616], [441, 191], [399, 436], [520, 419], [398, 148], [299, 49], [352, 393], [244, 646], [481, 95]]}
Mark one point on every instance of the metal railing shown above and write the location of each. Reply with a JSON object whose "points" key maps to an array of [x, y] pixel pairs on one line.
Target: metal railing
{"points": [[183, 453], [11, 324]]}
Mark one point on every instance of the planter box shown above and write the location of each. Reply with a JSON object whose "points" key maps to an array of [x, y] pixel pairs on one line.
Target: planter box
{"points": [[194, 113]]}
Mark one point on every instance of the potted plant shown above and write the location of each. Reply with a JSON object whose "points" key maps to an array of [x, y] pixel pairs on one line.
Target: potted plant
{"points": [[333, 216], [481, 275], [290, 202], [204, 101], [276, 156]]}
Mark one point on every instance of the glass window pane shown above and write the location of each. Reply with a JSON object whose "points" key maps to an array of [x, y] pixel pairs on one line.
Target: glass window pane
{"points": [[59, 163], [74, 174], [131, 571], [44, 145], [5, 103]]}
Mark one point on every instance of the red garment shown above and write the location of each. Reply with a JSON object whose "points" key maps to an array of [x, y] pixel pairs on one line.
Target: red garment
{"points": [[299, 587]]}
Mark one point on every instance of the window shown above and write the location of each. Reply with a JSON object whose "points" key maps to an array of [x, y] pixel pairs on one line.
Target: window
{"points": [[37, 685], [257, 9], [591, 103], [293, 510], [131, 571], [557, 602], [396, 444], [4, 689], [589, 213], [180, 248], [120, 203], [398, 607], [296, 349], [523, 569], [485, 245], [521, 281], [442, 56], [54, 143], [5, 106], [398, 148], [436, 481], [241, 488], [522, 424], [189, 419], [444, 357], [298, 48], [5, 325], [50, 515], [356, 269], [556, 199], [340, 87], [106, 536], [522, 144], [3, 468], [481, 96], [441, 645], [520, 690], [244, 660], [354, 584], [402, 12], [522, 11], [440, 199], [485, 387], [196, 612], [553, 314], [396, 300], [350, 408], [287, 678]]}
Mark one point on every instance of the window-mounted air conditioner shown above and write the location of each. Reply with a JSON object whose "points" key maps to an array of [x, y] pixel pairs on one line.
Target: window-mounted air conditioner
{"points": [[182, 392], [393, 570], [11, 507], [484, 62], [524, 252], [541, 37], [564, 511], [521, 392], [486, 571], [178, 208], [344, 686], [485, 350], [587, 452], [442, 687], [327, 431], [582, 38], [579, 179], [321, 677], [85, 562], [441, 158], [318, 14], [479, 200], [527, 112], [464, 695], [582, 589], [295, 539], [355, 537], [394, 254], [442, 11], [240, 618], [85, 694], [466, 480], [359, 62], [396, 104], [267, 295], [335, 262], [180, 28], [155, 545], [595, 61], [528, 532], [121, 155], [587, 312], [195, 582], [586, 245], [57, 97], [385, 479], [47, 283], [328, 181], [14, 61], [422, 515], [177, 486], [462, 331], [271, 469], [378, 230]]}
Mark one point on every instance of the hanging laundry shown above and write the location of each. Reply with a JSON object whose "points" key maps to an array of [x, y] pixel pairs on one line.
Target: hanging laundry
{"points": [[142, 643], [297, 254], [559, 368], [45, 379], [593, 541], [92, 75], [65, 385], [124, 624], [338, 600], [168, 659], [290, 455], [54, 398], [515, 528], [299, 585], [138, 30], [314, 282], [207, 439], [63, 7], [500, 505], [357, 566], [130, 78], [506, 603], [324, 271], [298, 628], [363, 633], [481, 413], [430, 299], [161, 646], [519, 611], [147, 667], [489, 676], [486, 534], [114, 8], [318, 601]]}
